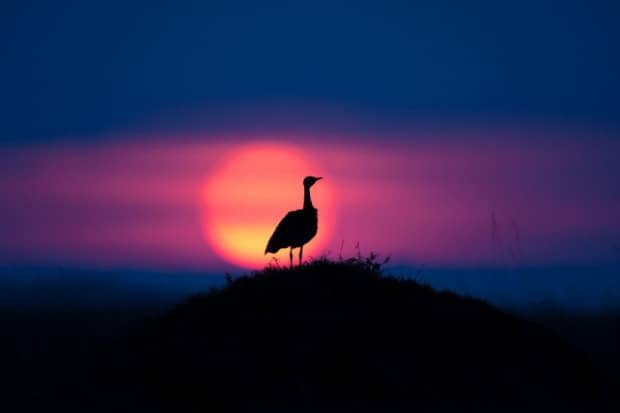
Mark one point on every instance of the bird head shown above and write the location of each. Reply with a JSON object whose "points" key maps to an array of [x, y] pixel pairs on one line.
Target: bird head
{"points": [[311, 180]]}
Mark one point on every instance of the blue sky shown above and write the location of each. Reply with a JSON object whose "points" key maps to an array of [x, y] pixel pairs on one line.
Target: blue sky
{"points": [[81, 69]]}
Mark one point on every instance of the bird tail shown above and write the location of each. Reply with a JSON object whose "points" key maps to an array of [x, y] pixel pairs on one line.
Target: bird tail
{"points": [[271, 247]]}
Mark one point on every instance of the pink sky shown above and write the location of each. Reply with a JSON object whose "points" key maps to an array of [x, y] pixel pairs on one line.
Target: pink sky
{"points": [[425, 200]]}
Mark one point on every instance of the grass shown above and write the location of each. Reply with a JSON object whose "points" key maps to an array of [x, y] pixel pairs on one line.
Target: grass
{"points": [[343, 335]]}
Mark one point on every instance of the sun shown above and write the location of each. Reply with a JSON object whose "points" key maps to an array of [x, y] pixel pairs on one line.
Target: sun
{"points": [[248, 194]]}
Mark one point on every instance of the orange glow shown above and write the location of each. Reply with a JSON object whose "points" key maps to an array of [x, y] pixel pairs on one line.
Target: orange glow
{"points": [[248, 194]]}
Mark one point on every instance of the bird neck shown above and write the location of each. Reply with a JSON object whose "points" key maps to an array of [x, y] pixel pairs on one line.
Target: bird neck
{"points": [[307, 200]]}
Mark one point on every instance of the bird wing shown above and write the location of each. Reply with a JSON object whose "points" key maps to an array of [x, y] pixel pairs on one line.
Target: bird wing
{"points": [[285, 232]]}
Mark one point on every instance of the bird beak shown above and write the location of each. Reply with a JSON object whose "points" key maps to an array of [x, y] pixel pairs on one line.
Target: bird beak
{"points": [[320, 177]]}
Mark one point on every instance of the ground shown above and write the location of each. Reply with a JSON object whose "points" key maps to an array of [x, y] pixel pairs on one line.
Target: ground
{"points": [[341, 335]]}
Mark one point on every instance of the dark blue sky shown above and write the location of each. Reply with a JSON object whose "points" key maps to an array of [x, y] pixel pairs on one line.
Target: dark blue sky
{"points": [[81, 69]]}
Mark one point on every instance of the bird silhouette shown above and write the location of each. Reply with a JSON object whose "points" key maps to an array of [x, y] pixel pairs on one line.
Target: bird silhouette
{"points": [[297, 227]]}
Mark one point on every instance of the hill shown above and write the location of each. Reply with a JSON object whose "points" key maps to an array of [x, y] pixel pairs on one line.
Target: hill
{"points": [[342, 336]]}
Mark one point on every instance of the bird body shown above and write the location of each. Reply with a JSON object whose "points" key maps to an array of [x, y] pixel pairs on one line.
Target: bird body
{"points": [[297, 227]]}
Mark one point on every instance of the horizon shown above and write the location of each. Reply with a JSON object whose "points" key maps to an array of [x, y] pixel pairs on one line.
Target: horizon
{"points": [[533, 289]]}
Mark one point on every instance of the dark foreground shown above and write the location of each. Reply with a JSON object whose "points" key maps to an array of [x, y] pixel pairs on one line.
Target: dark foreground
{"points": [[324, 337]]}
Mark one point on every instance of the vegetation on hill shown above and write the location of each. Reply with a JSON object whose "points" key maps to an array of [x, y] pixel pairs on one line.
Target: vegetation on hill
{"points": [[341, 335]]}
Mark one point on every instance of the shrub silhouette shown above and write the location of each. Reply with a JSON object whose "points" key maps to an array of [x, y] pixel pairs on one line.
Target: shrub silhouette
{"points": [[341, 335]]}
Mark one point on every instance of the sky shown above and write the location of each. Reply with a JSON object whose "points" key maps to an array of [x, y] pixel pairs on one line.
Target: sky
{"points": [[451, 135]]}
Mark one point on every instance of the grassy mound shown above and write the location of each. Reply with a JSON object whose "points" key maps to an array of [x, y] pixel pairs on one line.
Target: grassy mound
{"points": [[342, 336]]}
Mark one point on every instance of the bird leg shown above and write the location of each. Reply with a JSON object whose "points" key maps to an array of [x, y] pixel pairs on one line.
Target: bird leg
{"points": [[301, 251], [290, 255]]}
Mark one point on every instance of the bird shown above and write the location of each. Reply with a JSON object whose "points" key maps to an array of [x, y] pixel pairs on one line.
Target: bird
{"points": [[297, 227]]}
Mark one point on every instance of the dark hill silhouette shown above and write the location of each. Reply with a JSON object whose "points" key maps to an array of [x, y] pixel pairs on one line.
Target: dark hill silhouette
{"points": [[340, 336]]}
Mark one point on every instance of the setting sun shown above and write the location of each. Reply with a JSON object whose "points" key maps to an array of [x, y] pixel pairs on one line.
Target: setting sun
{"points": [[248, 194]]}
